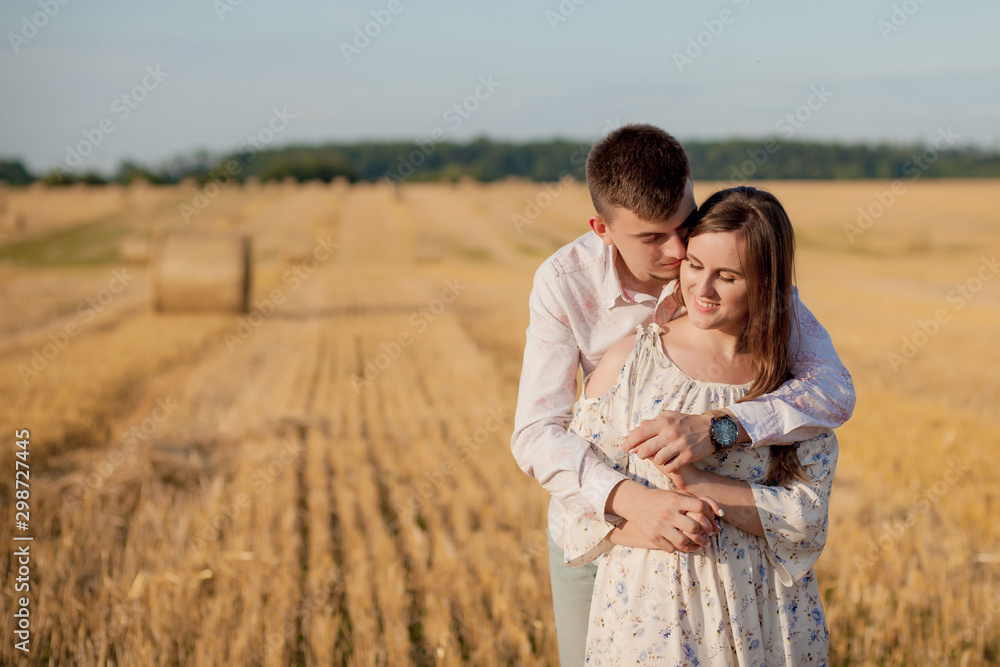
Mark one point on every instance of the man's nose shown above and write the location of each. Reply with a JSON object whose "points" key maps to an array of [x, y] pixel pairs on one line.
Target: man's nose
{"points": [[674, 247]]}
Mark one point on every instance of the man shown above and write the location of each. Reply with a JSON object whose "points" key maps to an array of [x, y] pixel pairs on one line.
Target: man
{"points": [[592, 293]]}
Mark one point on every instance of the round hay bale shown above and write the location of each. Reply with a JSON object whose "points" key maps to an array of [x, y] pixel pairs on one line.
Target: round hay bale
{"points": [[201, 272], [133, 250]]}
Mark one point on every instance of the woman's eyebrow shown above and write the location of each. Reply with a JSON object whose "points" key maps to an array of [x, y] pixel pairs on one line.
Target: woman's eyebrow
{"points": [[698, 261]]}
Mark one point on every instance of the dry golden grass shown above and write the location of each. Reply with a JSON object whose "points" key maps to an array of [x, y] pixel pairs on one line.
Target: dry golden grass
{"points": [[328, 479]]}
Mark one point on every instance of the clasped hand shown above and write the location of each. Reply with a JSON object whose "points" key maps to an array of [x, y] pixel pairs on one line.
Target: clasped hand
{"points": [[671, 441]]}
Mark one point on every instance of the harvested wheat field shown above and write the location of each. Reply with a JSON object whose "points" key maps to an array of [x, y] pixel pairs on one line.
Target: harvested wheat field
{"points": [[327, 479]]}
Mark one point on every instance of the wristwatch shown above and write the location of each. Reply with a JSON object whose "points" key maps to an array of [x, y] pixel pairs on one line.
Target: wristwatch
{"points": [[723, 432]]}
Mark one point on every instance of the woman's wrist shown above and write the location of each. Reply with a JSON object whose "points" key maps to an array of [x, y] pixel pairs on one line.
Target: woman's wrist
{"points": [[690, 479]]}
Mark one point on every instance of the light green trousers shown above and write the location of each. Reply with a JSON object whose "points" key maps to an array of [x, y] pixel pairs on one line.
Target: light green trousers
{"points": [[572, 589]]}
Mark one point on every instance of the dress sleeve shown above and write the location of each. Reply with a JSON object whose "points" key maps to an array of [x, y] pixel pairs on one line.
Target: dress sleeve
{"points": [[795, 517]]}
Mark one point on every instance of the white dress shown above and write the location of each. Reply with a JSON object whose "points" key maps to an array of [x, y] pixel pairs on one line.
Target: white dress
{"points": [[743, 599]]}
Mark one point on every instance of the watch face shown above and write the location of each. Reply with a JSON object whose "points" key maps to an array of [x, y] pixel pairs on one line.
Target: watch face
{"points": [[725, 432]]}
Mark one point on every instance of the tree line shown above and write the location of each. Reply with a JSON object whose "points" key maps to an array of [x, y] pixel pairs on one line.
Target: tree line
{"points": [[734, 161]]}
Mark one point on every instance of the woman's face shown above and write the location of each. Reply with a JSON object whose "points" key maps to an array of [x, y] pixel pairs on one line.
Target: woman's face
{"points": [[713, 285]]}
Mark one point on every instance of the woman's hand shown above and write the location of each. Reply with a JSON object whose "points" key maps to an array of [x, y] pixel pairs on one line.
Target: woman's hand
{"points": [[733, 496], [685, 477], [667, 519]]}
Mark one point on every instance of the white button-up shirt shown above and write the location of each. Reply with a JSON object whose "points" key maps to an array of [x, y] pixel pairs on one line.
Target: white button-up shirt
{"points": [[578, 309]]}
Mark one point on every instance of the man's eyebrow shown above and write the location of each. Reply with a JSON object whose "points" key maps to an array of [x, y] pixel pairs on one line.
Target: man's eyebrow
{"points": [[698, 261], [640, 235]]}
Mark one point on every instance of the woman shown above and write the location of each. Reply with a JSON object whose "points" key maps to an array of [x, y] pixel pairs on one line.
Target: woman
{"points": [[750, 596]]}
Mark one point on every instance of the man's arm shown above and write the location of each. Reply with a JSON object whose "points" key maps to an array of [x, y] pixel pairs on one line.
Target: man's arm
{"points": [[562, 462], [820, 397]]}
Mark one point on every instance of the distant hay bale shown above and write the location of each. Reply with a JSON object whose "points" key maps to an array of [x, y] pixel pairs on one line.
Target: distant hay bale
{"points": [[340, 182], [252, 183], [133, 250], [201, 272]]}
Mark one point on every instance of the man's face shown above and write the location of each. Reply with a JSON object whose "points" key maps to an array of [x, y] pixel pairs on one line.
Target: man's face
{"points": [[650, 251]]}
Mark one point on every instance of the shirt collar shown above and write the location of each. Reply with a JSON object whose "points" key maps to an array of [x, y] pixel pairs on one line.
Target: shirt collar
{"points": [[612, 285], [614, 293]]}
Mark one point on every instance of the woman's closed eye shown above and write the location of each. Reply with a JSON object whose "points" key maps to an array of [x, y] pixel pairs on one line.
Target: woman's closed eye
{"points": [[698, 267]]}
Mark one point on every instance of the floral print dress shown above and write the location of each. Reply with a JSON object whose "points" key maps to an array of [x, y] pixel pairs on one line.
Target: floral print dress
{"points": [[743, 599]]}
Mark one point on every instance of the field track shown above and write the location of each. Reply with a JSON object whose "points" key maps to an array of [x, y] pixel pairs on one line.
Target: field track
{"points": [[328, 479]]}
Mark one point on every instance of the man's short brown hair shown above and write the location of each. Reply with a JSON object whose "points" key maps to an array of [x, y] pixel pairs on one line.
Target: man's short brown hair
{"points": [[640, 168]]}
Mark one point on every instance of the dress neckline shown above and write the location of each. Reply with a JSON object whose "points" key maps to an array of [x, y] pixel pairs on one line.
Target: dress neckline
{"points": [[658, 346]]}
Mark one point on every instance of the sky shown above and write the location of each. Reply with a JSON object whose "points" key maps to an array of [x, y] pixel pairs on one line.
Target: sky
{"points": [[109, 80]]}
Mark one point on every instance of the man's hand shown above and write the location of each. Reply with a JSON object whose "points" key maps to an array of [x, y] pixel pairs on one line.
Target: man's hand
{"points": [[671, 520], [671, 440]]}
